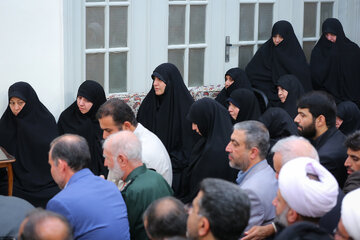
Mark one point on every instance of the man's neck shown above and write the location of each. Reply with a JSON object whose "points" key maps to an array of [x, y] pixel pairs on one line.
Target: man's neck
{"points": [[131, 169], [320, 131], [253, 163]]}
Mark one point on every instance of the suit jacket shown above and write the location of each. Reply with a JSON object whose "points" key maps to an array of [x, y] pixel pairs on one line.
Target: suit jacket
{"points": [[260, 184], [332, 153], [93, 206], [13, 210]]}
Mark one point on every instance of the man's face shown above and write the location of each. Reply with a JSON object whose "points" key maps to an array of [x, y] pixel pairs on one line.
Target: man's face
{"points": [[341, 233], [277, 163], [56, 173], [281, 209], [352, 162], [238, 153], [305, 123], [108, 126], [110, 161], [194, 218]]}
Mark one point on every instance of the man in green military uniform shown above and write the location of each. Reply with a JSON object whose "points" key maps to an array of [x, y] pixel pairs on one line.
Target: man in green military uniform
{"points": [[142, 186]]}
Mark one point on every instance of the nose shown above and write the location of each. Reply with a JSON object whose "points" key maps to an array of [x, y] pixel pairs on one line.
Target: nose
{"points": [[274, 201], [193, 126], [346, 164], [105, 134], [296, 119], [228, 149]]}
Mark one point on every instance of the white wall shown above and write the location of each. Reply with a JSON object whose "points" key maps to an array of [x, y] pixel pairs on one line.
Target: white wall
{"points": [[31, 49]]}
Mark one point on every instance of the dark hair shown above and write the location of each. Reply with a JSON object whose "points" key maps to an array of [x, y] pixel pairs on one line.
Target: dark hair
{"points": [[118, 110], [353, 141], [71, 148], [226, 207], [36, 217], [166, 217], [319, 103]]}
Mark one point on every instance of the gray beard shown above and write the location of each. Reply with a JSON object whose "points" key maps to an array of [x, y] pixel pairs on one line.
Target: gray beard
{"points": [[282, 219]]}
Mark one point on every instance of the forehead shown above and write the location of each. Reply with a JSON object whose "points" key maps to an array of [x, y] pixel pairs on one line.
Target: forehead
{"points": [[353, 152], [238, 136], [107, 122], [304, 111], [16, 99]]}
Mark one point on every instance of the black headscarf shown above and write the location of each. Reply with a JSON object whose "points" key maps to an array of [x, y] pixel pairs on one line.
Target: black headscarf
{"points": [[271, 62], [240, 81], [165, 116], [247, 103], [27, 136], [279, 124], [295, 90], [350, 114], [208, 156], [86, 125], [335, 67]]}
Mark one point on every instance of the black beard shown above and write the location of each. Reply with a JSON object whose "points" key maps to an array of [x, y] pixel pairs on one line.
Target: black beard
{"points": [[308, 132]]}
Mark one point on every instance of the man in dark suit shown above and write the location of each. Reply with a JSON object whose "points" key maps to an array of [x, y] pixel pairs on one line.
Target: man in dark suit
{"points": [[93, 206], [316, 121]]}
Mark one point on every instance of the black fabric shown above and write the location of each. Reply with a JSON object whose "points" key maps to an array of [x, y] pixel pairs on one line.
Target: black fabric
{"points": [[240, 81], [350, 114], [332, 153], [271, 62], [295, 90], [330, 220], [335, 67], [280, 125], [27, 136], [86, 125], [165, 116], [208, 156], [303, 231], [247, 103]]}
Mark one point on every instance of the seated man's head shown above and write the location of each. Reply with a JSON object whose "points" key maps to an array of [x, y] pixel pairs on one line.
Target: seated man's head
{"points": [[164, 218], [42, 225], [221, 210], [249, 144], [68, 154], [115, 115], [307, 191], [290, 148], [352, 144], [316, 114], [122, 153]]}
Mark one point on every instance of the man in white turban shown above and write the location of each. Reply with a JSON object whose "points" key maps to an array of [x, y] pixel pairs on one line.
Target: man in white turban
{"points": [[307, 191], [349, 224]]}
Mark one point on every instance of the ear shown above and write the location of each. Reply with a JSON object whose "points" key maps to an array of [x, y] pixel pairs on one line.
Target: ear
{"points": [[127, 126], [62, 165], [254, 152], [122, 160], [203, 227], [320, 121], [292, 216]]}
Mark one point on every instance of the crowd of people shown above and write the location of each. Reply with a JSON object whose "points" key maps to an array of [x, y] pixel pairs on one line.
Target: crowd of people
{"points": [[223, 168]]}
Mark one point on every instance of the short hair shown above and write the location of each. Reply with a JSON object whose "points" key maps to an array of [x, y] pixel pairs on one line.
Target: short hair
{"points": [[71, 148], [293, 147], [226, 206], [257, 136], [126, 143], [118, 110], [39, 216], [320, 103], [166, 217], [353, 141]]}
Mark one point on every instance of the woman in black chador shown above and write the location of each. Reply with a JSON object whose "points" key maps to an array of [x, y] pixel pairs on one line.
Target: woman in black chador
{"points": [[347, 117], [27, 128], [79, 118], [163, 111], [289, 91], [234, 78], [280, 55], [208, 157], [335, 65], [243, 105]]}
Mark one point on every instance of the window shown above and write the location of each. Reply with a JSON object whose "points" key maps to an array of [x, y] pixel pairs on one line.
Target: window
{"points": [[187, 39], [106, 47], [315, 13], [256, 20]]}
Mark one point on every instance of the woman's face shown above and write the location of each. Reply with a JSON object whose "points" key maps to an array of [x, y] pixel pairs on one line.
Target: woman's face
{"points": [[282, 94], [228, 81], [159, 86], [196, 128], [233, 110], [277, 39], [16, 105], [331, 37], [83, 104]]}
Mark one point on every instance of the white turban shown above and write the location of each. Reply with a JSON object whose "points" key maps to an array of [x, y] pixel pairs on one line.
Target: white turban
{"points": [[350, 213], [308, 197]]}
